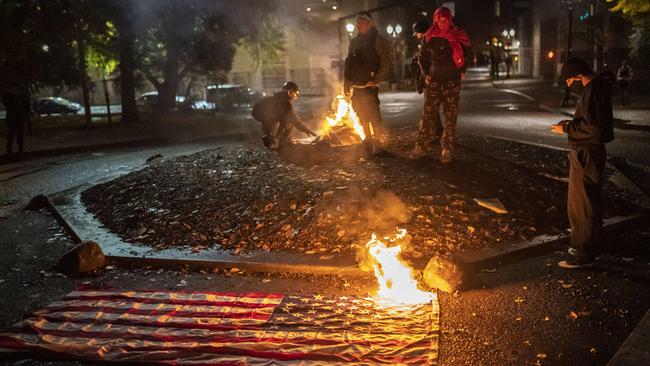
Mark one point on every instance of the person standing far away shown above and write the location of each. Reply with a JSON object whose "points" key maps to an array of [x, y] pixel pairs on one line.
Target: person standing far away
{"points": [[623, 77], [495, 57], [367, 64], [442, 61], [588, 132], [17, 104], [278, 116]]}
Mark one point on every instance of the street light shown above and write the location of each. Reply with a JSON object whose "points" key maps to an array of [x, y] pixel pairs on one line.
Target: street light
{"points": [[350, 28], [394, 33]]}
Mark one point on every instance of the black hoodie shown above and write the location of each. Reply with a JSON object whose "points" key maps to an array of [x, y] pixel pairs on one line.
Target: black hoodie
{"points": [[593, 122]]}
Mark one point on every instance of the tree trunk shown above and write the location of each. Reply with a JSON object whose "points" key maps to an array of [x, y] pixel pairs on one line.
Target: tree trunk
{"points": [[169, 87], [127, 69], [85, 93], [107, 97]]}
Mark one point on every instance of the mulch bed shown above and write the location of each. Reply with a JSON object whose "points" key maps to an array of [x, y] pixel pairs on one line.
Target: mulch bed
{"points": [[247, 198]]}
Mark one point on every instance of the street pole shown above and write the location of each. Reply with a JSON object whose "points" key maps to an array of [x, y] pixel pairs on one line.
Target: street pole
{"points": [[567, 90]]}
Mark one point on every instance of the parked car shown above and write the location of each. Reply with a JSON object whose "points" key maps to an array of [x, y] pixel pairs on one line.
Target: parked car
{"points": [[150, 99], [232, 96], [55, 105]]}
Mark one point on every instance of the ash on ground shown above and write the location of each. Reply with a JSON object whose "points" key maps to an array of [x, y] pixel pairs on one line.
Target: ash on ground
{"points": [[248, 198]]}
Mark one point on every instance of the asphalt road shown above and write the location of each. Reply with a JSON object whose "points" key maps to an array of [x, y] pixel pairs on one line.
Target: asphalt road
{"points": [[519, 314]]}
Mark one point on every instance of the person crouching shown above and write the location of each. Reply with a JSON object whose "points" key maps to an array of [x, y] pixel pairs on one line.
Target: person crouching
{"points": [[278, 116]]}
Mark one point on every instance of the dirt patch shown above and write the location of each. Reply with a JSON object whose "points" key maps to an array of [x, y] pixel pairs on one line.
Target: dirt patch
{"points": [[245, 198]]}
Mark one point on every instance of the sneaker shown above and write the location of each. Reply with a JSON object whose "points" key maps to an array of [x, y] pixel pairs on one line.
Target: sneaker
{"points": [[417, 152], [576, 263], [446, 157]]}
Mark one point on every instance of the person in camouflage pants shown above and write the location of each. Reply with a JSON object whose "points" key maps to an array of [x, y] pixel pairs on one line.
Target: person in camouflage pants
{"points": [[437, 93], [442, 62]]}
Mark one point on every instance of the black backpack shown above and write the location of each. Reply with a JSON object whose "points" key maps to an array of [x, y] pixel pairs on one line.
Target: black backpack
{"points": [[264, 109], [362, 61]]}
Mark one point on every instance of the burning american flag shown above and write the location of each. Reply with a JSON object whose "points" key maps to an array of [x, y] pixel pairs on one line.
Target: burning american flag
{"points": [[208, 328]]}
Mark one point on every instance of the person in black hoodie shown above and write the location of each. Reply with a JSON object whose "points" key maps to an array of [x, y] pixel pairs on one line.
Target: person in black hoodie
{"points": [[588, 132], [278, 116], [17, 103]]}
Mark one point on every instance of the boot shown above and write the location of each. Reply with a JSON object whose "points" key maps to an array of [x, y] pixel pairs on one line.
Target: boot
{"points": [[417, 152], [447, 156]]}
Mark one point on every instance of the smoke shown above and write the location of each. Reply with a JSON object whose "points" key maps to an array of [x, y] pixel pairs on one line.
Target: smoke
{"points": [[383, 212]]}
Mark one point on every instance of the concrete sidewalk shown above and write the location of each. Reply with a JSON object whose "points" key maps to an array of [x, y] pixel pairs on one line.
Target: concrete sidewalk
{"points": [[636, 116], [51, 140]]}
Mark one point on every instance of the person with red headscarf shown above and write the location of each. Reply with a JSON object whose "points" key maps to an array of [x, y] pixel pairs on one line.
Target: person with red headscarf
{"points": [[442, 62]]}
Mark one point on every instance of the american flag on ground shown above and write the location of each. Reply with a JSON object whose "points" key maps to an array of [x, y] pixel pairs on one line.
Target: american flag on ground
{"points": [[211, 328]]}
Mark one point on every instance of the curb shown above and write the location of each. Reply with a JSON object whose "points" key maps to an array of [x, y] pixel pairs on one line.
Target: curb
{"points": [[636, 348], [476, 260], [256, 265]]}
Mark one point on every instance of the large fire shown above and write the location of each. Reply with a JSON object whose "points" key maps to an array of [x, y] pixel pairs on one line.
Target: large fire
{"points": [[397, 284], [342, 126]]}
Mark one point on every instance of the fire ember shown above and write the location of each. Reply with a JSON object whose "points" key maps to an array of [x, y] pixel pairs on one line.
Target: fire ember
{"points": [[342, 126]]}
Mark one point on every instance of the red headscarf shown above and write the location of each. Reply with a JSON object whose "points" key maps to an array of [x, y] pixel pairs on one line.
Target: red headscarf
{"points": [[455, 36]]}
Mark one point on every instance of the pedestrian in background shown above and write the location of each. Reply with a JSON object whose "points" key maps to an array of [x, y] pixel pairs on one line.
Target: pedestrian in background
{"points": [[588, 132], [495, 57], [18, 112], [278, 116], [367, 64], [442, 62], [623, 77]]}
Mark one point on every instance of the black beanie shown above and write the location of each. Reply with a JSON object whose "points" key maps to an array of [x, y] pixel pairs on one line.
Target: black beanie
{"points": [[573, 67]]}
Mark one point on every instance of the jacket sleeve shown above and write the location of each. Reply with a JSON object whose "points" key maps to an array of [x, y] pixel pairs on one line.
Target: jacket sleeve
{"points": [[590, 127], [466, 50], [423, 59], [385, 59], [292, 118]]}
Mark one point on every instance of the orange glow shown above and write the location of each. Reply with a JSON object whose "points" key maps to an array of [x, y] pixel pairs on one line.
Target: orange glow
{"points": [[344, 115], [550, 55]]}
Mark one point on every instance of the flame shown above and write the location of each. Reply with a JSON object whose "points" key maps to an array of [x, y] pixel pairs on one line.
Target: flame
{"points": [[344, 116], [396, 279]]}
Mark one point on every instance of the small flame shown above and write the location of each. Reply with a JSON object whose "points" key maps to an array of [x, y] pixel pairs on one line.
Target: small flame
{"points": [[344, 116], [396, 280]]}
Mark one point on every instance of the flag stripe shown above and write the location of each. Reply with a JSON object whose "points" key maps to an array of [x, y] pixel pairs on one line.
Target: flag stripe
{"points": [[340, 353], [180, 294], [171, 313], [154, 324], [241, 304], [177, 298], [123, 304], [158, 334], [161, 321]]}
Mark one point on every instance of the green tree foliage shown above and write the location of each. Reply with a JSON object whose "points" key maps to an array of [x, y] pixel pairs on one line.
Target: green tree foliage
{"points": [[268, 44], [178, 38], [35, 47], [639, 12], [631, 7]]}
